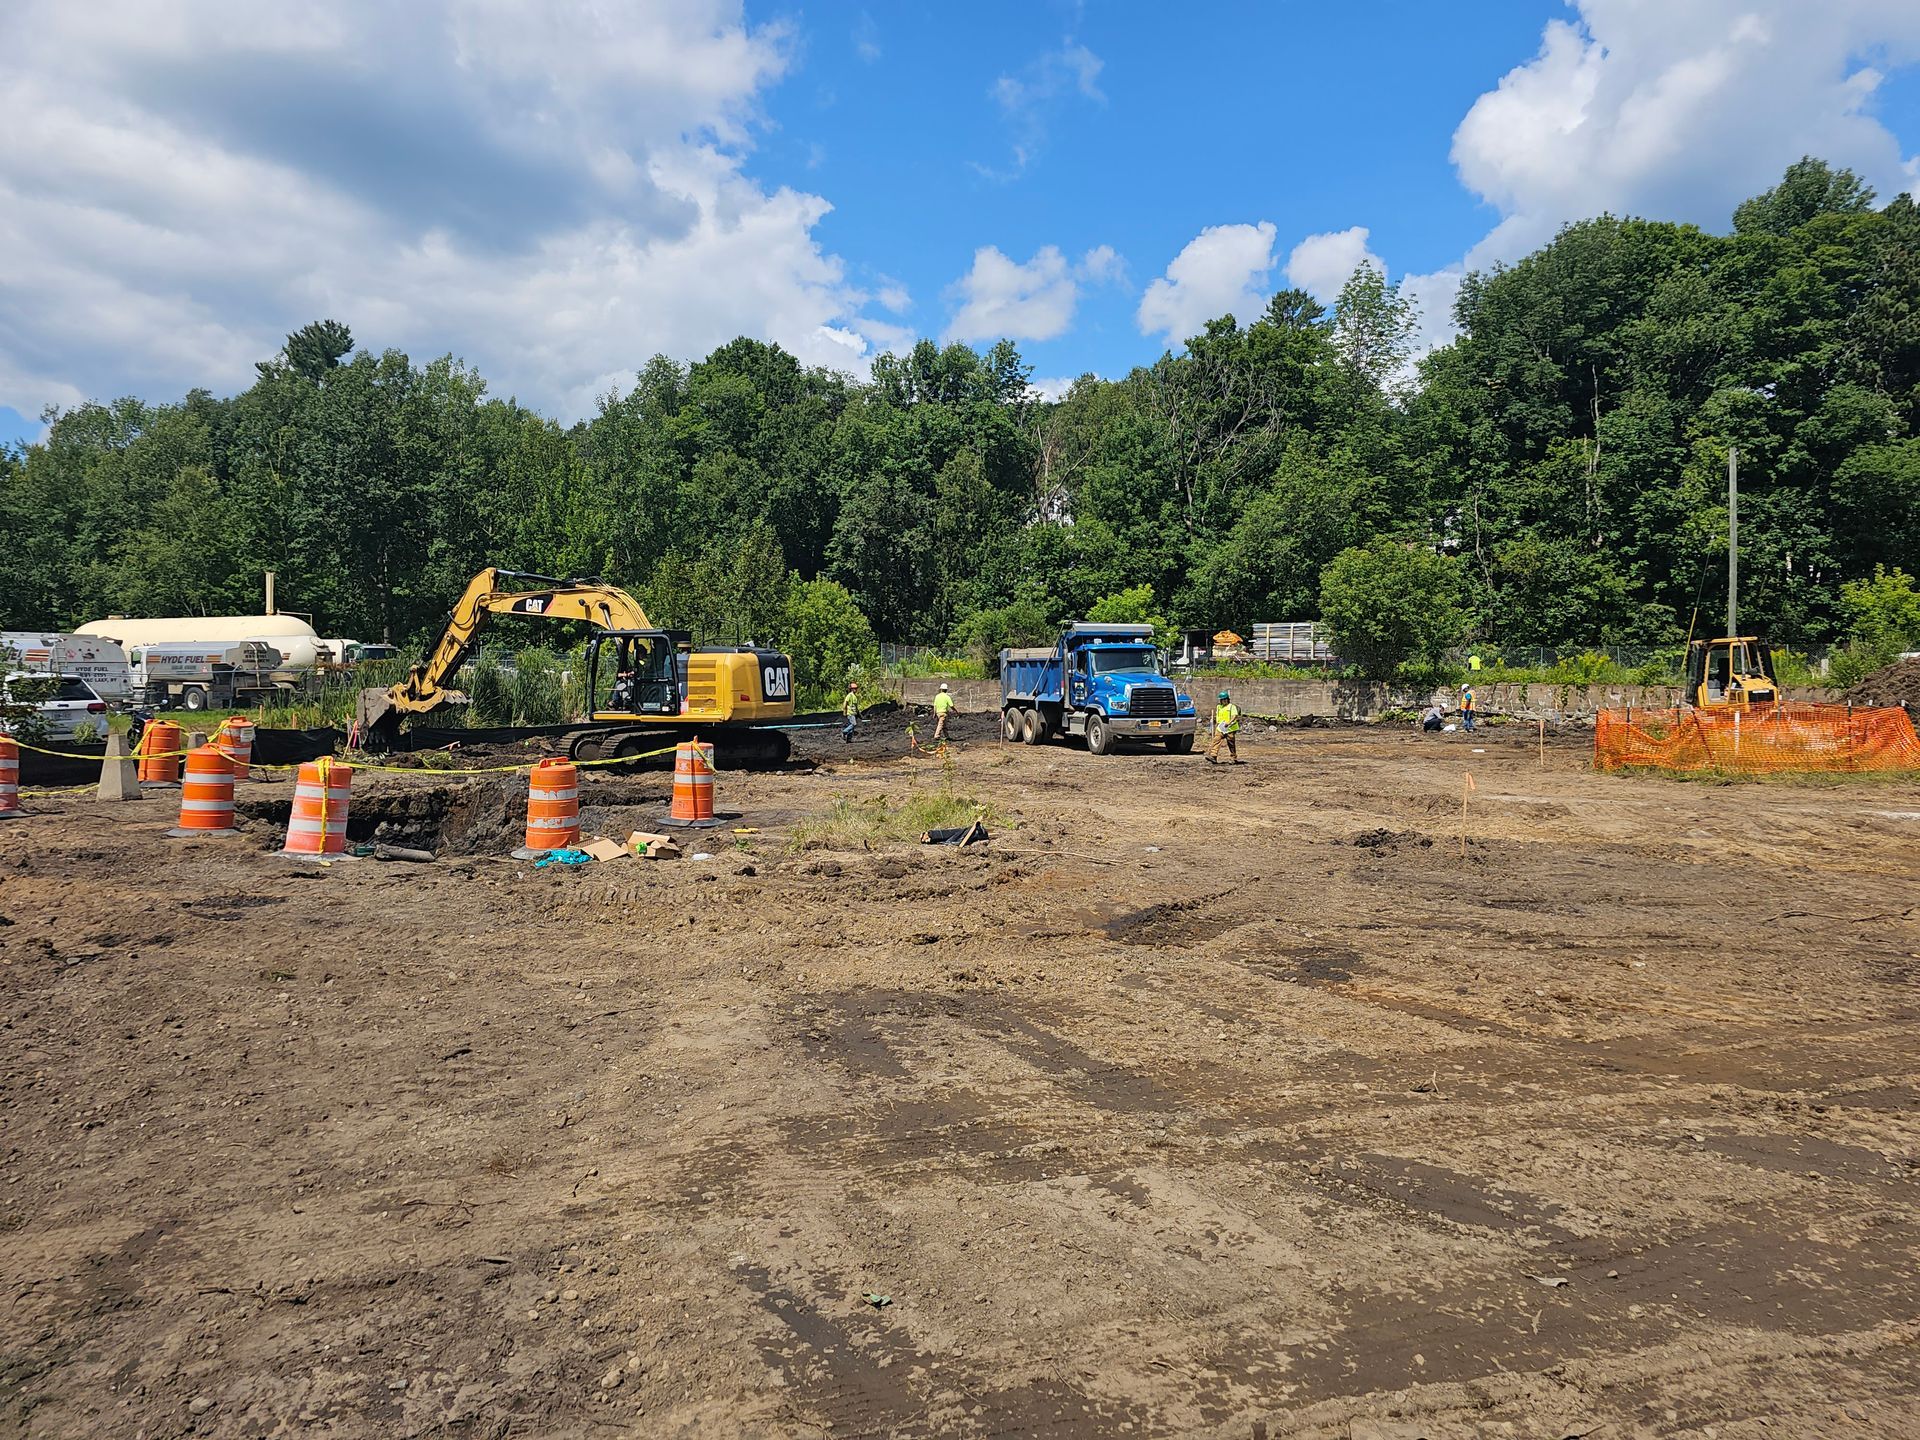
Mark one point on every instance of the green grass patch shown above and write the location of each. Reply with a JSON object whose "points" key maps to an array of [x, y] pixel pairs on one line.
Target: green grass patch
{"points": [[863, 824]]}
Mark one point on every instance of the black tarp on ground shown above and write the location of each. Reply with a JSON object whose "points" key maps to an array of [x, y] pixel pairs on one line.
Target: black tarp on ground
{"points": [[270, 747], [291, 747], [37, 769], [433, 737]]}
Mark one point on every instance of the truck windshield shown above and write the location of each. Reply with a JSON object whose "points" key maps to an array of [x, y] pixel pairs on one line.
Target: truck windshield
{"points": [[1105, 660]]}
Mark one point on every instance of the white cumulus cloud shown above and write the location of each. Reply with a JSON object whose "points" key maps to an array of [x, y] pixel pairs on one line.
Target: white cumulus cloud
{"points": [[1001, 298], [1321, 264], [1681, 111], [1223, 270], [553, 192], [1673, 112], [1051, 388]]}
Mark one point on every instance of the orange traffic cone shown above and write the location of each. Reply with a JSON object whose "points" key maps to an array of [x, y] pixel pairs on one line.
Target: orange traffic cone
{"points": [[236, 743], [692, 784], [206, 795], [9, 779], [317, 828], [553, 809], [159, 752]]}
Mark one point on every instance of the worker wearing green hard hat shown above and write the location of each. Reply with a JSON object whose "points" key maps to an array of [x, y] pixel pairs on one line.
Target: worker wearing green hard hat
{"points": [[1226, 730]]}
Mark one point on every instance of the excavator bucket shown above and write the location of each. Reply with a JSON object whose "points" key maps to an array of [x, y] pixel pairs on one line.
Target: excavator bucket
{"points": [[379, 722]]}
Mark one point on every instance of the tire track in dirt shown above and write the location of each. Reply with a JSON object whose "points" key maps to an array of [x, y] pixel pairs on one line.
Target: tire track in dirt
{"points": [[869, 1382]]}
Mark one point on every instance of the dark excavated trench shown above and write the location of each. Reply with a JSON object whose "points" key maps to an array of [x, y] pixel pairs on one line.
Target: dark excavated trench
{"points": [[472, 817]]}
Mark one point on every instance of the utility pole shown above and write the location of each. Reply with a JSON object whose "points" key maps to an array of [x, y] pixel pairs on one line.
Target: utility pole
{"points": [[1733, 541]]}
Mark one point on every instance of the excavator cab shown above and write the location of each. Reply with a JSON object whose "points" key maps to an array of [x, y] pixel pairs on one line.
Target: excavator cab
{"points": [[632, 673], [1732, 672]]}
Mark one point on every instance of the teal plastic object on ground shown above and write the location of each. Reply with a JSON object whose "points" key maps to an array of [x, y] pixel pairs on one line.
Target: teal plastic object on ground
{"points": [[563, 857]]}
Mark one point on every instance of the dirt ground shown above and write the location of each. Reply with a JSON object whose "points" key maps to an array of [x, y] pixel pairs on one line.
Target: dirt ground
{"points": [[1201, 1101]]}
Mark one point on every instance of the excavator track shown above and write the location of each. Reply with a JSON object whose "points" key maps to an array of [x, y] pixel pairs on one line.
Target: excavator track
{"points": [[734, 747]]}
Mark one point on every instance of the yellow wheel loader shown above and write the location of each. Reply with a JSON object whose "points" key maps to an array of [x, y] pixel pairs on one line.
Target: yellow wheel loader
{"points": [[646, 687]]}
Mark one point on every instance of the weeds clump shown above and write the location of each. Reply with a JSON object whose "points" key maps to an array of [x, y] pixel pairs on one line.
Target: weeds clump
{"points": [[538, 689], [862, 824], [490, 700]]}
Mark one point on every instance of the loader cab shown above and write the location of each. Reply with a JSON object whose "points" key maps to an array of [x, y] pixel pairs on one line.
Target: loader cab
{"points": [[632, 672], [1733, 672]]}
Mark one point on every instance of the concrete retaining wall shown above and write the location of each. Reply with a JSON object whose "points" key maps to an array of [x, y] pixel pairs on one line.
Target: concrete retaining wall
{"points": [[1360, 700]]}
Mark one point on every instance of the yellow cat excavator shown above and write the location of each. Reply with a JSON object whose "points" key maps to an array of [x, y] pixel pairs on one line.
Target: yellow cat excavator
{"points": [[646, 687]]}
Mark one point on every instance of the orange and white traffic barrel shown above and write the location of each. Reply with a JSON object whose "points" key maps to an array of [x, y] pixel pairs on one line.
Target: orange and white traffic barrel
{"points": [[159, 752], [206, 794], [9, 779], [692, 783], [553, 808], [321, 795], [236, 743]]}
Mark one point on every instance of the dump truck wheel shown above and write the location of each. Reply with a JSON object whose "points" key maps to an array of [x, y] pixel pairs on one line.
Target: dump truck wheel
{"points": [[1012, 723], [1099, 738], [1180, 744], [1034, 728]]}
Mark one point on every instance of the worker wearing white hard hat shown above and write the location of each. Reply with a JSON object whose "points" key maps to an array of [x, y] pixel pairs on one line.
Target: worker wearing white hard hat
{"points": [[942, 707]]}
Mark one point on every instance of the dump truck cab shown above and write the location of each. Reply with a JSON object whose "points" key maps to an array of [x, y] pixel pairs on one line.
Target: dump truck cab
{"points": [[1732, 672]]}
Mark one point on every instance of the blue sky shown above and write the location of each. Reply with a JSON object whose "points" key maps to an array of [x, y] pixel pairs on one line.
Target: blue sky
{"points": [[557, 192], [1248, 116]]}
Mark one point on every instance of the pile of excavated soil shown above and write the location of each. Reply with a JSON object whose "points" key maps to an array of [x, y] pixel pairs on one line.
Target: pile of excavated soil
{"points": [[482, 816], [489, 817], [1898, 684]]}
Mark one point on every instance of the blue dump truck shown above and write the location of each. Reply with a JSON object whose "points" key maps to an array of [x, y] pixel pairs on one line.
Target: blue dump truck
{"points": [[1107, 683]]}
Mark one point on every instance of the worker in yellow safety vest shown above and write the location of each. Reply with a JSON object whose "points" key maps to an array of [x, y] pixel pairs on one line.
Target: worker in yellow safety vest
{"points": [[942, 707], [1226, 730], [850, 707]]}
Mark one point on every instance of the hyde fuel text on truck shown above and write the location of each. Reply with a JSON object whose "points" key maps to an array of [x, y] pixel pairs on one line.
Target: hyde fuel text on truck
{"points": [[1107, 683]]}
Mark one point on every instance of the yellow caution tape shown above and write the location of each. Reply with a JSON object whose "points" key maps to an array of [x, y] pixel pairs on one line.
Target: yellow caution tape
{"points": [[506, 769], [394, 769], [64, 755]]}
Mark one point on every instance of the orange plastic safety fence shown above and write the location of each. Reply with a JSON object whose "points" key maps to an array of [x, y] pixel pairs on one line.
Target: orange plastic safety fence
{"points": [[1762, 739]]}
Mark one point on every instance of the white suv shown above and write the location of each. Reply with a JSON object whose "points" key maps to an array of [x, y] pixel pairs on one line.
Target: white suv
{"points": [[60, 704]]}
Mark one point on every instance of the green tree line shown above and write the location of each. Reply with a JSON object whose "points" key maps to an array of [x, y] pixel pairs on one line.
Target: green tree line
{"points": [[1558, 470]]}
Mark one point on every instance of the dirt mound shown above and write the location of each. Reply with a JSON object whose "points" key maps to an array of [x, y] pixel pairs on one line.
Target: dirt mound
{"points": [[1391, 842], [883, 734], [1898, 684]]}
